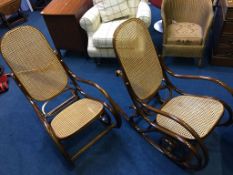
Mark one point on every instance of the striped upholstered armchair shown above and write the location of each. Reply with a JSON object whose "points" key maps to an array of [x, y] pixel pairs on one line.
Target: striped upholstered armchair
{"points": [[101, 21], [186, 26]]}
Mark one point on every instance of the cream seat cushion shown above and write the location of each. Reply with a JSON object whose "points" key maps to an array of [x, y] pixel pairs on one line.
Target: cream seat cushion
{"points": [[202, 114], [184, 33], [75, 117], [103, 37]]}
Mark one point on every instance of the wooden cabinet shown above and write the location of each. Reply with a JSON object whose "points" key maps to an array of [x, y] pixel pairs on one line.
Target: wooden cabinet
{"points": [[62, 19], [39, 4], [223, 34]]}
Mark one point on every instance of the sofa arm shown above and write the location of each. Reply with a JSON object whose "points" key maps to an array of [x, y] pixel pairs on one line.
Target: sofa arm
{"points": [[207, 27], [90, 21], [144, 12]]}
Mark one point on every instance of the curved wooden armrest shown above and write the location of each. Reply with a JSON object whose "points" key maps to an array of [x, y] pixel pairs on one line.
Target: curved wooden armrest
{"points": [[214, 80], [116, 108], [175, 119]]}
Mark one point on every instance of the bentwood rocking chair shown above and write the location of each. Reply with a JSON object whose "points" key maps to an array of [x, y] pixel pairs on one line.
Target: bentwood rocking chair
{"points": [[42, 76], [182, 121]]}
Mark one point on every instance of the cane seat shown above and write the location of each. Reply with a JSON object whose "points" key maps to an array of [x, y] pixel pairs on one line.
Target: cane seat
{"points": [[75, 117], [202, 114]]}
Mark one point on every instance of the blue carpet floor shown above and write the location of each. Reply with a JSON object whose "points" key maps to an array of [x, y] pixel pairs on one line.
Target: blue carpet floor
{"points": [[26, 149]]}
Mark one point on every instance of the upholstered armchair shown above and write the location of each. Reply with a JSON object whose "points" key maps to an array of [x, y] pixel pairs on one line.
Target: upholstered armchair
{"points": [[100, 33], [186, 26]]}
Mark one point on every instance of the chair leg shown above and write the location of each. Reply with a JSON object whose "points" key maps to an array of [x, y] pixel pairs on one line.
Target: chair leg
{"points": [[97, 61], [62, 150], [92, 142], [22, 15], [5, 21], [200, 62]]}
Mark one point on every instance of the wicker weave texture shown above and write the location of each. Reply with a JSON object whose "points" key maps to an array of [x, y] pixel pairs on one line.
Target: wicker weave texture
{"points": [[75, 117], [138, 57], [202, 114], [199, 12], [34, 63], [179, 11], [8, 7]]}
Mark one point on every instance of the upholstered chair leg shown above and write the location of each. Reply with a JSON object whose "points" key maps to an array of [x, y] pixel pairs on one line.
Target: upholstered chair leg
{"points": [[7, 22], [97, 61], [4, 21], [200, 62]]}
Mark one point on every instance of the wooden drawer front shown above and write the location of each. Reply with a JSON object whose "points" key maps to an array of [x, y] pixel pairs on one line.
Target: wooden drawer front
{"points": [[227, 27], [224, 50], [226, 40], [229, 15]]}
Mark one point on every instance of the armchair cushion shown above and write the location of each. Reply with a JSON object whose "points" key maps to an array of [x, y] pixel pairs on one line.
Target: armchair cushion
{"points": [[112, 9], [103, 37], [181, 33]]}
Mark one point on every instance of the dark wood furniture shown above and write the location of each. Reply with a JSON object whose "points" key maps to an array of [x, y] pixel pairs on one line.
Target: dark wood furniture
{"points": [[10, 12], [223, 34], [62, 19], [39, 4]]}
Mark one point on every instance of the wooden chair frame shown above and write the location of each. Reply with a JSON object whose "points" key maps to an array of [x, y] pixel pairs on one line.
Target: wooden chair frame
{"points": [[111, 109], [143, 110], [22, 17]]}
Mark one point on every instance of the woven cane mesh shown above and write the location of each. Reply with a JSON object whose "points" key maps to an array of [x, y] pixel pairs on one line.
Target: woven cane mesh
{"points": [[75, 117], [34, 63], [136, 52], [202, 114]]}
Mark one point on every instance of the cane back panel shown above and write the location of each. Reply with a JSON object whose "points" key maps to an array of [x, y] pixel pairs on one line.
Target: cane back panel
{"points": [[138, 57], [34, 63]]}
